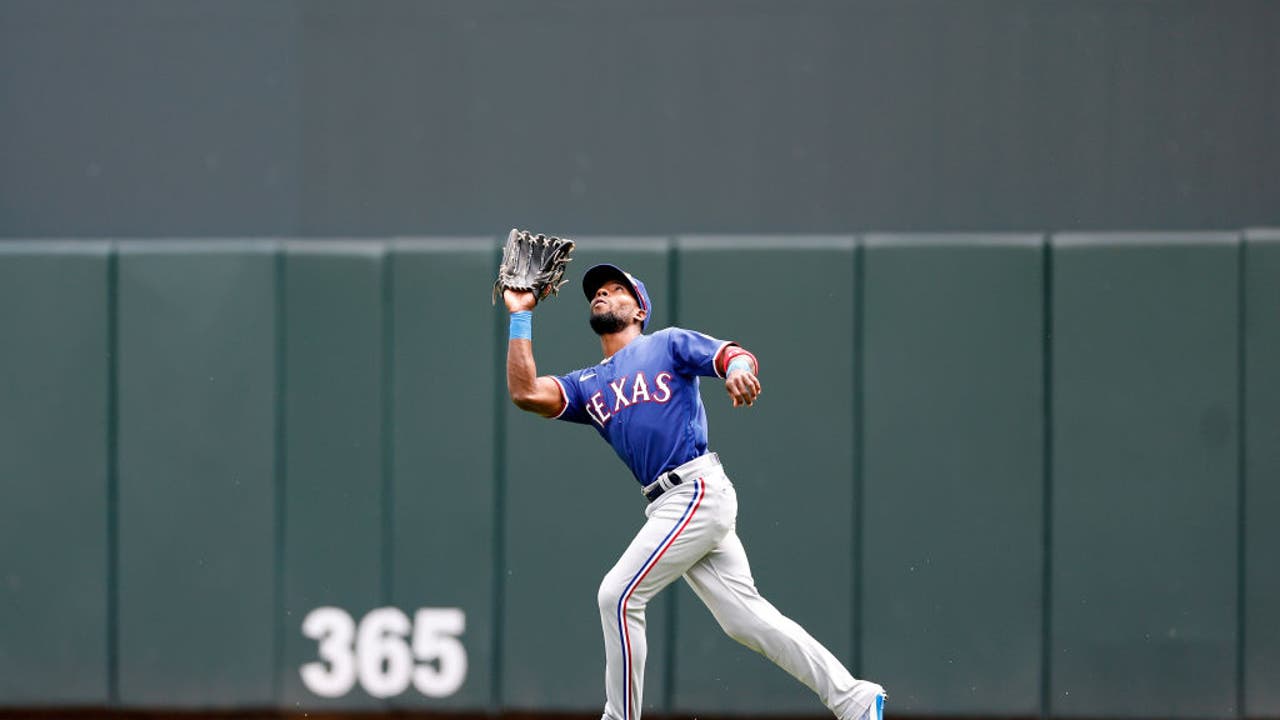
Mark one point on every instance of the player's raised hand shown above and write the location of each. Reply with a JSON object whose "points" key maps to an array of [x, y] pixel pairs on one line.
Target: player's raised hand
{"points": [[519, 300], [743, 387]]}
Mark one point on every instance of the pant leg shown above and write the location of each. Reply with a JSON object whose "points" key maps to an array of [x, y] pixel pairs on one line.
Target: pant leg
{"points": [[683, 526], [722, 580]]}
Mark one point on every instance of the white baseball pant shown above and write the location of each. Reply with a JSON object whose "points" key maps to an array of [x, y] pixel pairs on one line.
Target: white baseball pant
{"points": [[690, 532]]}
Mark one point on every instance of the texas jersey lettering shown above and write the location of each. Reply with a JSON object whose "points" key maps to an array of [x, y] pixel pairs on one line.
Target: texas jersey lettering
{"points": [[640, 399]]}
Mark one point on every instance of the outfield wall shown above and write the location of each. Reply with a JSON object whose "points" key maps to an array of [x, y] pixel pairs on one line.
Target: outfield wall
{"points": [[1001, 474]]}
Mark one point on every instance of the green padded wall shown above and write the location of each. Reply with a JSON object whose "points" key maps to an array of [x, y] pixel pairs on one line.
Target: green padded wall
{"points": [[384, 361], [953, 418], [790, 456], [332, 516], [442, 379], [1262, 468], [54, 545], [571, 509], [196, 473], [1144, 475]]}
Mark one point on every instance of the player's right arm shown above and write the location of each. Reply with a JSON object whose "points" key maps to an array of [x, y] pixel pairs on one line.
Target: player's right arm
{"points": [[529, 392]]}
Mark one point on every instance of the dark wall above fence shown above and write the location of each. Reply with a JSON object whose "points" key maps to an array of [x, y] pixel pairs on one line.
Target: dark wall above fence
{"points": [[337, 117]]}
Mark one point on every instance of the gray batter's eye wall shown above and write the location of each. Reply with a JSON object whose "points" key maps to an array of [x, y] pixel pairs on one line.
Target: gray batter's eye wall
{"points": [[1002, 474], [323, 118]]}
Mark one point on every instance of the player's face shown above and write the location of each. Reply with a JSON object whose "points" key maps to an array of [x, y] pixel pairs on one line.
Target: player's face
{"points": [[613, 308]]}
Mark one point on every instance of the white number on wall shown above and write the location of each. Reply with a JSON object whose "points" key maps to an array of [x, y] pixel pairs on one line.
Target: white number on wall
{"points": [[379, 655], [333, 628], [435, 641], [383, 654]]}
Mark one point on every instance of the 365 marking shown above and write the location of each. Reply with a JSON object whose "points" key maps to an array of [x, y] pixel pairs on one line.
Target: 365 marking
{"points": [[385, 653]]}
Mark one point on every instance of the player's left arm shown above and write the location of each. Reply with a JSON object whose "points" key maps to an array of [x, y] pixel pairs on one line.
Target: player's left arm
{"points": [[741, 374], [696, 353]]}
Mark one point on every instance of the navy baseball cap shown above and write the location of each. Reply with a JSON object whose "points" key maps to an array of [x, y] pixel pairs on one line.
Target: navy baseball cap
{"points": [[597, 275]]}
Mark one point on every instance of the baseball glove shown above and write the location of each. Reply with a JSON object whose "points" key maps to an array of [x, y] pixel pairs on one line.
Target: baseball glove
{"points": [[534, 263]]}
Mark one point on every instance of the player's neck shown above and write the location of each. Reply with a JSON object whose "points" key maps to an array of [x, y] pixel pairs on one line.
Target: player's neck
{"points": [[613, 342]]}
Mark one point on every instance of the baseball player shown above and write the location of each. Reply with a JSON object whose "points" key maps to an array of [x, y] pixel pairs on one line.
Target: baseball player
{"points": [[643, 400]]}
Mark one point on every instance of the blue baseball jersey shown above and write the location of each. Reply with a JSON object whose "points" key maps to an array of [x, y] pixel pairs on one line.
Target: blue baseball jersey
{"points": [[644, 400]]}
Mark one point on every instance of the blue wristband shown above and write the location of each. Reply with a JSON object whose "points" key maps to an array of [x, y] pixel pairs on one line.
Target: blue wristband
{"points": [[522, 325], [741, 362]]}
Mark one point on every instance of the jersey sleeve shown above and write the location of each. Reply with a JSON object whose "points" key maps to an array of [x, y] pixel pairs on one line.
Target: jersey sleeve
{"points": [[695, 353], [575, 409]]}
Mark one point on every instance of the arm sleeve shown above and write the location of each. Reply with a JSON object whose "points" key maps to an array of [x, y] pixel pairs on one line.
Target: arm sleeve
{"points": [[695, 353], [574, 409]]}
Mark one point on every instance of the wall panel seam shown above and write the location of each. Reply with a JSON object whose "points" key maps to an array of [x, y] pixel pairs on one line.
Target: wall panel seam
{"points": [[672, 599], [113, 477], [1242, 550], [1046, 464], [387, 423], [386, 385], [498, 579], [280, 468], [858, 516]]}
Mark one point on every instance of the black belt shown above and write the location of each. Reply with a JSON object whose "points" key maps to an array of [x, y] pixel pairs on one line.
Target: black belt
{"points": [[691, 470], [656, 492]]}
